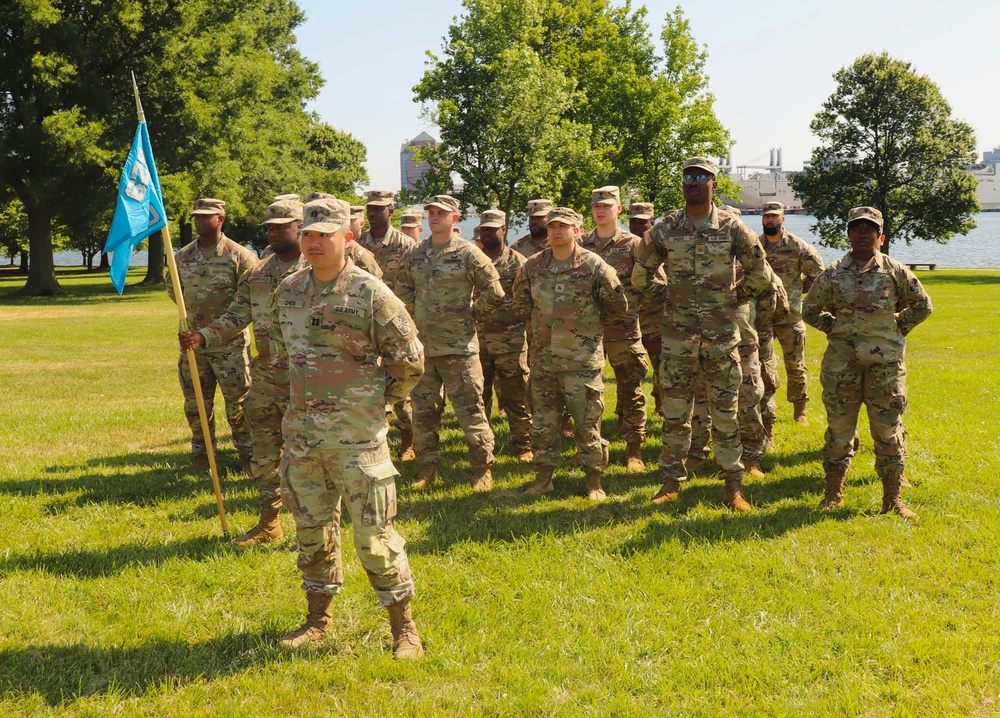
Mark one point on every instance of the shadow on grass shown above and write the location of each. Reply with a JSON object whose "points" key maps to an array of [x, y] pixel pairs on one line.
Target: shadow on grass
{"points": [[961, 278], [60, 674], [89, 289]]}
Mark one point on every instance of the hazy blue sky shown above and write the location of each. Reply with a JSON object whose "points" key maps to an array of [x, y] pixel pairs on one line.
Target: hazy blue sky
{"points": [[770, 64]]}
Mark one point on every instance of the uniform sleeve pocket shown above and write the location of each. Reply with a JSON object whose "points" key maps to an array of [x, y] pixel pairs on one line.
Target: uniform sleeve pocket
{"points": [[380, 507]]}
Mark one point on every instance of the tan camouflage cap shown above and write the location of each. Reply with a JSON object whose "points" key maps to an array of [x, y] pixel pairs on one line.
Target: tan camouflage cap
{"points": [[281, 197], [538, 207], [283, 211], [640, 210], [702, 163], [445, 202], [565, 215], [326, 215], [772, 208], [313, 196], [493, 218], [357, 210], [380, 197], [606, 195], [412, 218], [867, 213], [207, 205]]}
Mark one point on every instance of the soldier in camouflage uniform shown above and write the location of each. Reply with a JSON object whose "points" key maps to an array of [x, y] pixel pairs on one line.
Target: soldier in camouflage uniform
{"points": [[391, 248], [357, 220], [866, 303], [268, 398], [640, 221], [349, 347], [537, 237], [798, 264], [436, 282], [698, 248], [763, 319], [209, 270], [503, 351], [568, 295], [412, 224], [622, 340]]}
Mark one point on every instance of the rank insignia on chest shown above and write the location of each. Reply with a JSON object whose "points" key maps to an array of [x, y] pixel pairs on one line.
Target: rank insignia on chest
{"points": [[315, 321]]}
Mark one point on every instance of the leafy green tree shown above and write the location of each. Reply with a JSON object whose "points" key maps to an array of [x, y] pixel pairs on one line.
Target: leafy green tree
{"points": [[14, 230], [889, 141]]}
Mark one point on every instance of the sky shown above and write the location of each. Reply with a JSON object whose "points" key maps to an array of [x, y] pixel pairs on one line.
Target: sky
{"points": [[770, 65]]}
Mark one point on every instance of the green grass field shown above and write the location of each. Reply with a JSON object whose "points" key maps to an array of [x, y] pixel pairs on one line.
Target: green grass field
{"points": [[122, 599]]}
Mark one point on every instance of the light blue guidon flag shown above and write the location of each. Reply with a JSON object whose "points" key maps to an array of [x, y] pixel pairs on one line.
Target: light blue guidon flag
{"points": [[139, 211]]}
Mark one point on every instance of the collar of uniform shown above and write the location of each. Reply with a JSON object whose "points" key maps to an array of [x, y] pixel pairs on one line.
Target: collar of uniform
{"points": [[218, 246], [451, 246], [577, 259], [603, 243], [713, 218], [875, 263], [339, 285], [782, 239]]}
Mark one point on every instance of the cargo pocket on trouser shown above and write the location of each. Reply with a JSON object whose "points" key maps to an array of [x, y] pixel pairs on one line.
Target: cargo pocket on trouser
{"points": [[380, 505], [287, 499]]}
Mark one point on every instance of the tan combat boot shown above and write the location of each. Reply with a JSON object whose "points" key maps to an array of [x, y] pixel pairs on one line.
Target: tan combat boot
{"points": [[543, 481], [592, 480], [752, 467], [892, 502], [406, 643], [670, 491], [800, 413], [733, 495], [524, 453], [834, 497], [268, 529], [633, 457], [406, 452], [317, 621], [199, 462], [484, 479], [428, 472]]}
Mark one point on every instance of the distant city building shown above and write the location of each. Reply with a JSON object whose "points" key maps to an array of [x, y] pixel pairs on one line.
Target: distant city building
{"points": [[410, 170]]}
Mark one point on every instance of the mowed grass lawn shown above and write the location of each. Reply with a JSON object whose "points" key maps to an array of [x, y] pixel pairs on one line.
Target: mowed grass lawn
{"points": [[120, 597]]}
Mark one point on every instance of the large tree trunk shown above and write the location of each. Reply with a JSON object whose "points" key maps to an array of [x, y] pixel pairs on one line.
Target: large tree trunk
{"points": [[154, 267], [42, 271], [24, 263], [105, 262]]}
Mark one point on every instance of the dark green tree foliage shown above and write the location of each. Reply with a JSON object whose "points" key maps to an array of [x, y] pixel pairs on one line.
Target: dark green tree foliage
{"points": [[889, 141]]}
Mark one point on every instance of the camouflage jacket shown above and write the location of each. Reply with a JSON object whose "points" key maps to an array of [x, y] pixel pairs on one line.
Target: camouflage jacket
{"points": [[437, 288], [567, 310], [767, 307], [619, 252], [527, 245], [701, 292], [390, 251], [363, 258], [867, 310], [349, 350], [798, 264], [252, 304], [210, 284], [503, 332]]}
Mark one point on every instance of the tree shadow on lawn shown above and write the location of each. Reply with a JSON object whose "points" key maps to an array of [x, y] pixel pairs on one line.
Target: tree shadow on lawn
{"points": [[933, 278], [62, 674]]}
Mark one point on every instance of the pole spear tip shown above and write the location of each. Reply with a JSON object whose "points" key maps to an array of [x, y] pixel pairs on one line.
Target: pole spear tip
{"points": [[138, 104]]}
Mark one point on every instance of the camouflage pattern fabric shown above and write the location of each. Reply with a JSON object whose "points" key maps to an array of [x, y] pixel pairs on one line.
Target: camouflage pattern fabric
{"points": [[265, 408], [503, 330], [527, 245], [231, 373], [390, 252], [582, 394], [653, 344], [650, 324], [768, 359], [866, 310], [363, 259], [508, 374]]}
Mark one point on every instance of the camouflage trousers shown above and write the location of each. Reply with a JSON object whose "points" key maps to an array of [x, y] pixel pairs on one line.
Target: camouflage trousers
{"points": [[582, 393], [404, 414], [882, 389], [462, 377], [628, 359], [264, 408], [231, 373], [793, 345], [679, 377], [752, 434], [653, 343], [315, 485], [769, 374], [508, 374]]}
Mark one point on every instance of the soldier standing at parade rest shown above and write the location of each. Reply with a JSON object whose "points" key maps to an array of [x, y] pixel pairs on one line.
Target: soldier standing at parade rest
{"points": [[798, 264], [436, 282], [622, 340], [349, 347], [537, 237], [411, 224], [698, 247], [391, 248], [640, 221], [268, 398], [209, 270], [866, 303], [568, 295], [503, 351]]}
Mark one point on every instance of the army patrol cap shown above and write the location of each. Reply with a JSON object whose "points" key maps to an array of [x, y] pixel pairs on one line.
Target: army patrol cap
{"points": [[207, 205], [357, 210], [772, 208], [702, 163], [412, 218], [640, 210], [283, 211], [539, 207], [380, 197], [313, 196], [606, 195], [566, 216], [445, 202], [869, 214], [326, 215], [281, 197], [493, 218]]}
